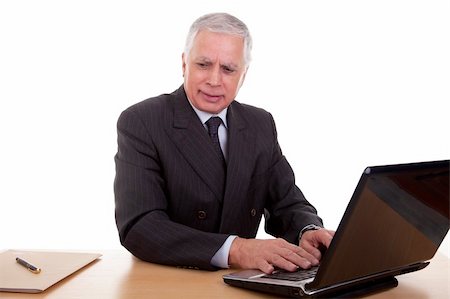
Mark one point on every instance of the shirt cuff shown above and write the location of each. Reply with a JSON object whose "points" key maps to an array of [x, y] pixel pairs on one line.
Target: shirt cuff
{"points": [[220, 259]]}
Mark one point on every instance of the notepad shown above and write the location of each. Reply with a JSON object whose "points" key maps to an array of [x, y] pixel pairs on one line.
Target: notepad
{"points": [[55, 266]]}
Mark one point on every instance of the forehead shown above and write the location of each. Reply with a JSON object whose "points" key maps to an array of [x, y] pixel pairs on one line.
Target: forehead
{"points": [[213, 45]]}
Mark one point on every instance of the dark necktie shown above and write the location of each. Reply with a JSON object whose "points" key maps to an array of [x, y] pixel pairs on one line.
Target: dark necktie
{"points": [[213, 127]]}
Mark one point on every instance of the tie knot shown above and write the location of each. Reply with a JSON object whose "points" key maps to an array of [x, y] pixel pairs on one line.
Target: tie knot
{"points": [[213, 124]]}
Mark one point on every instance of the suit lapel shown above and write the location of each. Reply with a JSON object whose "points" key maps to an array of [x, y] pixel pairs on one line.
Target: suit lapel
{"points": [[192, 140], [241, 149]]}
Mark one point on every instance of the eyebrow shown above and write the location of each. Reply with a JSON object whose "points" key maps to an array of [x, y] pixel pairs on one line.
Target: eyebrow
{"points": [[206, 59]]}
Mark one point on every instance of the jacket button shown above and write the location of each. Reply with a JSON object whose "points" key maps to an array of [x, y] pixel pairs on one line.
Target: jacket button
{"points": [[201, 215], [253, 212]]}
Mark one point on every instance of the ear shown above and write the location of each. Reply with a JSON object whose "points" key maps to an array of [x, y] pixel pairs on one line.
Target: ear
{"points": [[241, 81], [183, 63]]}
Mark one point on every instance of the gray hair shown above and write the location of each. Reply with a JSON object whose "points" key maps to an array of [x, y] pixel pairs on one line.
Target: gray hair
{"points": [[221, 23]]}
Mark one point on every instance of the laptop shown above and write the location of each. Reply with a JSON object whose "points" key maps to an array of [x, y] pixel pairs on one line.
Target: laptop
{"points": [[394, 223]]}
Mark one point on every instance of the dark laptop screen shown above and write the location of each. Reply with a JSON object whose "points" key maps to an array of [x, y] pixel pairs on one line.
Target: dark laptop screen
{"points": [[399, 216]]}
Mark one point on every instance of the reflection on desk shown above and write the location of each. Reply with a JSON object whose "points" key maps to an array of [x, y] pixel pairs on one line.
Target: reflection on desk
{"points": [[119, 275]]}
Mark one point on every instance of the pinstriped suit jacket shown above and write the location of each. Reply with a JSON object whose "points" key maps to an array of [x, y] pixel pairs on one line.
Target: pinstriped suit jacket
{"points": [[171, 204]]}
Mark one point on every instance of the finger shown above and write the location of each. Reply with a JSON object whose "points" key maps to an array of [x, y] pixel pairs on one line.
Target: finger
{"points": [[265, 267], [312, 250], [325, 236], [299, 256], [312, 254], [283, 263], [318, 237]]}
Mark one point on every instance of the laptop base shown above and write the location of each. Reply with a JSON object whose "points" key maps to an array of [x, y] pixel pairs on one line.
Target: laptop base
{"points": [[365, 288]]}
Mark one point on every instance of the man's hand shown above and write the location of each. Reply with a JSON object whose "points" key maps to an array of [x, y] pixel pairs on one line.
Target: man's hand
{"points": [[267, 254], [313, 241]]}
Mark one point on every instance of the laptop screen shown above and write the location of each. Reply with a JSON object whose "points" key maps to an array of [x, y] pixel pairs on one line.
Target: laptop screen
{"points": [[398, 216]]}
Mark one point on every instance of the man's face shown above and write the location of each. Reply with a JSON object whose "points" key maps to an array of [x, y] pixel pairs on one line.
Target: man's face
{"points": [[214, 70]]}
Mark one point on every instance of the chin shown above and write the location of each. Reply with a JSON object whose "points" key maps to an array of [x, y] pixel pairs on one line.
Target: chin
{"points": [[212, 108]]}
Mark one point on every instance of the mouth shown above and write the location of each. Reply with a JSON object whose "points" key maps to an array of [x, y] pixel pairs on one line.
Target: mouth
{"points": [[211, 97]]}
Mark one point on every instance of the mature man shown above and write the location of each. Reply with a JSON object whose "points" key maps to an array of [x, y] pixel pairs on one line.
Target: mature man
{"points": [[195, 170]]}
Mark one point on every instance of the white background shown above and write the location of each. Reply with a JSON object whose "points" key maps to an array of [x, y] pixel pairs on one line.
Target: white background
{"points": [[350, 84]]}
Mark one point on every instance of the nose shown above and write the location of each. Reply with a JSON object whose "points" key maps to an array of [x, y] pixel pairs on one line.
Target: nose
{"points": [[215, 77]]}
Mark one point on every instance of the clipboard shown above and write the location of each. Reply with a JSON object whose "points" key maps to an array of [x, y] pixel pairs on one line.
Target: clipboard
{"points": [[55, 266]]}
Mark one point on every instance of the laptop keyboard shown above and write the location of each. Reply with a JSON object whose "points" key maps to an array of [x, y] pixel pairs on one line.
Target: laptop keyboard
{"points": [[300, 274]]}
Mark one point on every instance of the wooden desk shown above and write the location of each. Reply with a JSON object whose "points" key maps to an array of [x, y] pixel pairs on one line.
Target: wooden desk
{"points": [[119, 275]]}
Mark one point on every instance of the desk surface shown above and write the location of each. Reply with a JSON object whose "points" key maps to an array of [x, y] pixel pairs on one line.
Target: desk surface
{"points": [[119, 275]]}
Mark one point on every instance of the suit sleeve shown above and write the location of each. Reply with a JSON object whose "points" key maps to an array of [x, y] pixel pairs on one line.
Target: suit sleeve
{"points": [[288, 211], [145, 228]]}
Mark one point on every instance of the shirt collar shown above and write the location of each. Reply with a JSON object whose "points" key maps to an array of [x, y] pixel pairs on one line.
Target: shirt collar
{"points": [[204, 116]]}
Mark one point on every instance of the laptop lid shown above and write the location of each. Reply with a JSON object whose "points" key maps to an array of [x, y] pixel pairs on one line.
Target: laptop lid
{"points": [[397, 217], [395, 221]]}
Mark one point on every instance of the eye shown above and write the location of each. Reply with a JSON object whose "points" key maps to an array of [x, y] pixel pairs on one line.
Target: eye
{"points": [[202, 65], [228, 70]]}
